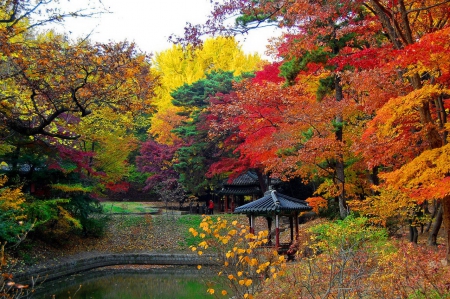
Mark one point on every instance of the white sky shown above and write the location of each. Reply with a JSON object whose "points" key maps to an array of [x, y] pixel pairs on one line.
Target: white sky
{"points": [[149, 23]]}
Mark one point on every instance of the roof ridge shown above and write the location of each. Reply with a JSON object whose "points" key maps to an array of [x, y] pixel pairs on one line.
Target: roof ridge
{"points": [[276, 201]]}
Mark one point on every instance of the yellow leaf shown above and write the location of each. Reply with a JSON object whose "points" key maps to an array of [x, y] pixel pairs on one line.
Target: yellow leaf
{"points": [[248, 282]]}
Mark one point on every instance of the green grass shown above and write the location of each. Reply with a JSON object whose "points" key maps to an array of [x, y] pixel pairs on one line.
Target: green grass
{"points": [[128, 207], [185, 222]]}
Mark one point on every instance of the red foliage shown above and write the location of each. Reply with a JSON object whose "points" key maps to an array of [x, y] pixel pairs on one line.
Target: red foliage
{"points": [[269, 73], [119, 187]]}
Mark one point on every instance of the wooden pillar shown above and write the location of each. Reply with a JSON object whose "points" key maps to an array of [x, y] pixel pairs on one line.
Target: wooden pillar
{"points": [[296, 226], [252, 224], [226, 204], [269, 227], [291, 226], [277, 232]]}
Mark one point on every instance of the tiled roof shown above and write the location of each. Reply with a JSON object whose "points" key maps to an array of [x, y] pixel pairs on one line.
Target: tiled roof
{"points": [[248, 178], [239, 191], [273, 202]]}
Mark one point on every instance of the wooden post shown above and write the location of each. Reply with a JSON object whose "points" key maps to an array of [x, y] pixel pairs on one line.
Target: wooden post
{"points": [[296, 226], [291, 226], [252, 224], [226, 204], [277, 232], [269, 227]]}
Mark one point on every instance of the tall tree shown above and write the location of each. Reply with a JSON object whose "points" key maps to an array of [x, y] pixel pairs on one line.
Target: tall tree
{"points": [[178, 66], [198, 153]]}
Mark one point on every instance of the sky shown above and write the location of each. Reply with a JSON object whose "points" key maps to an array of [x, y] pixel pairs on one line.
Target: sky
{"points": [[149, 23]]}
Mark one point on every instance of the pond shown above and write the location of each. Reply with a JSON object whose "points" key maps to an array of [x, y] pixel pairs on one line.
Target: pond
{"points": [[161, 283]]}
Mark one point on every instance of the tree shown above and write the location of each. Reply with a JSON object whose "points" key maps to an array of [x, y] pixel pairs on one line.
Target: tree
{"points": [[198, 152], [360, 40], [178, 66], [55, 93]]}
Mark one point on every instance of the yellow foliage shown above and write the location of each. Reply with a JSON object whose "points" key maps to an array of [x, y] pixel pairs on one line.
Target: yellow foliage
{"points": [[238, 255], [10, 198], [403, 110], [425, 177], [389, 204], [178, 66]]}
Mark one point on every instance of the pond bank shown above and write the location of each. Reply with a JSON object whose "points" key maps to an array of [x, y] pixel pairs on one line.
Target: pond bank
{"points": [[51, 272]]}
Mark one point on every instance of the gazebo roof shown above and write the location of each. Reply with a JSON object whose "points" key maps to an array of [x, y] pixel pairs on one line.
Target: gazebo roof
{"points": [[273, 203], [248, 178], [239, 191]]}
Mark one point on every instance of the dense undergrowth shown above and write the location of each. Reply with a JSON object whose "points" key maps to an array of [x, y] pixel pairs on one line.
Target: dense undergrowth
{"points": [[335, 259]]}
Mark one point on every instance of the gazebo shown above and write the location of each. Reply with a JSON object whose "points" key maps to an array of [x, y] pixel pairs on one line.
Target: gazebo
{"points": [[246, 184], [275, 205]]}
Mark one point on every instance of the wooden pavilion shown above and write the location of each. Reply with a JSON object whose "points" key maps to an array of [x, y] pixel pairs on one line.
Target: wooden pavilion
{"points": [[233, 193], [274, 205]]}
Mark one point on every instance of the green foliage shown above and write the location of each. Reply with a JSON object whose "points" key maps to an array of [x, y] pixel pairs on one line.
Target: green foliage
{"points": [[196, 94], [78, 187], [44, 211], [189, 221], [96, 226], [245, 20], [127, 207], [326, 87], [353, 255], [291, 68], [12, 230], [433, 295], [351, 233], [135, 176], [195, 157]]}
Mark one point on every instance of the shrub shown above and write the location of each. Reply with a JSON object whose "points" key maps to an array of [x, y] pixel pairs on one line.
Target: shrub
{"points": [[245, 263], [351, 259]]}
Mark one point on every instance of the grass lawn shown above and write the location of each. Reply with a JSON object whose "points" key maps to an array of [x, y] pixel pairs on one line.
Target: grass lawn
{"points": [[128, 207]]}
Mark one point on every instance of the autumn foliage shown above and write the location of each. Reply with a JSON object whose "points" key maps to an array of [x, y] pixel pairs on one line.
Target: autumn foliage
{"points": [[245, 263]]}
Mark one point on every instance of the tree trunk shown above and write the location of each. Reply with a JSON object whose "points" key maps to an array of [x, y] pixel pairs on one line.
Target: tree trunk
{"points": [[432, 238], [431, 215], [339, 168], [262, 180], [413, 234], [446, 219]]}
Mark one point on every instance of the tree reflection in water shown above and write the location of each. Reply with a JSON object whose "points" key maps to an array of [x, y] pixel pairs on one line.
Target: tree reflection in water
{"points": [[180, 283]]}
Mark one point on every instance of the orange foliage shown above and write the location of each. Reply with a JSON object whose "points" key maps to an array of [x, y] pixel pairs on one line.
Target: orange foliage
{"points": [[317, 203]]}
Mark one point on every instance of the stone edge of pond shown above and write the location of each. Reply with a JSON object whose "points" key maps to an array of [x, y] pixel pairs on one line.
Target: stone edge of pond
{"points": [[85, 264]]}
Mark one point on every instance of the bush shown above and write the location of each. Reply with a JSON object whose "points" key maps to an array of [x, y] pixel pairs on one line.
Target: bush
{"points": [[246, 264], [351, 259]]}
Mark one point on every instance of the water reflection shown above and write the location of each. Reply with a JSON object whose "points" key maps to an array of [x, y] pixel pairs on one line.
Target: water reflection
{"points": [[182, 283]]}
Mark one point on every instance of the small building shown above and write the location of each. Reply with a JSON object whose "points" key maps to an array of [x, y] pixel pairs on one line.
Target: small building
{"points": [[244, 188], [274, 205]]}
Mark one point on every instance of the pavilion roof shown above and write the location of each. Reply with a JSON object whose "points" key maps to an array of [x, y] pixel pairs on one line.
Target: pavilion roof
{"points": [[274, 202], [248, 178], [245, 190]]}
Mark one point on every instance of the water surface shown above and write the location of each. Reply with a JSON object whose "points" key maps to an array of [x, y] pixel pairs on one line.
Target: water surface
{"points": [[173, 283]]}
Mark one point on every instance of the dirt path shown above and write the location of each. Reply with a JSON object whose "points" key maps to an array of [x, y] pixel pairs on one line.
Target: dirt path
{"points": [[124, 234]]}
